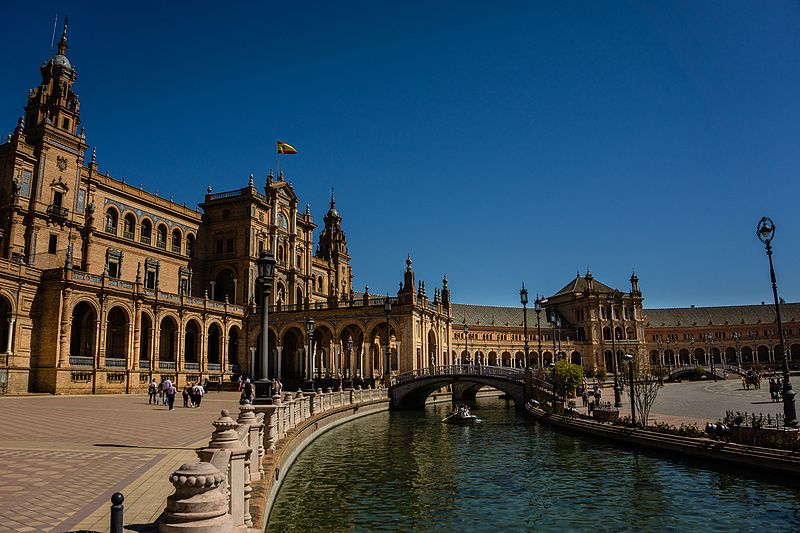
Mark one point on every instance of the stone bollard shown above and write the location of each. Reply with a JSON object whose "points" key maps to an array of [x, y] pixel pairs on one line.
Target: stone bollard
{"points": [[226, 438], [198, 505], [247, 418]]}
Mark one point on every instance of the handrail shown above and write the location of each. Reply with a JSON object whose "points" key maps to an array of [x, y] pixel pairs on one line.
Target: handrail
{"points": [[504, 372]]}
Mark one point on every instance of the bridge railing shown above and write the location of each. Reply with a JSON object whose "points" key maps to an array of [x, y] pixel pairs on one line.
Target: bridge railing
{"points": [[512, 374]]}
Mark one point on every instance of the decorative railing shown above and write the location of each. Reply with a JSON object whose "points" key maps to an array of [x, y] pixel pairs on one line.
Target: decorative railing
{"points": [[81, 361], [116, 362], [84, 276], [120, 283], [176, 248], [128, 235], [167, 365], [111, 230], [223, 195], [144, 364], [161, 244], [358, 302], [145, 239], [191, 366], [508, 373], [56, 211], [214, 367]]}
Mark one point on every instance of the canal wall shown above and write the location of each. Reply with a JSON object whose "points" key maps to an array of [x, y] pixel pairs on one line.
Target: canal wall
{"points": [[233, 485], [705, 449]]}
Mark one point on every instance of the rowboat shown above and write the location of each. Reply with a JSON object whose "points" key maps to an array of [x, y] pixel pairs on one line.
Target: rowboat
{"points": [[459, 419]]}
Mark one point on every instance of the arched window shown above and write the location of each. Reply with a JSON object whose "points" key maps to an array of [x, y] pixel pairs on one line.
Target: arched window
{"points": [[190, 245], [129, 229], [161, 236], [111, 221], [147, 232], [176, 241]]}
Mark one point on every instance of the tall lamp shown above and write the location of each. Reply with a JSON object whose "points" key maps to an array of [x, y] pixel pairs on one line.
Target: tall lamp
{"points": [[266, 273]]}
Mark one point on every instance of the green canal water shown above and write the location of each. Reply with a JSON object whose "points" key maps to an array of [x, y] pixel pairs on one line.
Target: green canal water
{"points": [[406, 471]]}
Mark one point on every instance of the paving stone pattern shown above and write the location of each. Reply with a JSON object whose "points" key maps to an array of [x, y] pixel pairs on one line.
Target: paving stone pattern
{"points": [[61, 457]]}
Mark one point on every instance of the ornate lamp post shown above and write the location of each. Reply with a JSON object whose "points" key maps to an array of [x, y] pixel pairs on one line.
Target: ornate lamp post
{"points": [[660, 354], [766, 232], [553, 319], [466, 341], [523, 299], [309, 384], [710, 339], [617, 386], [736, 337], [672, 363], [537, 306], [266, 272], [691, 348], [387, 308], [348, 384]]}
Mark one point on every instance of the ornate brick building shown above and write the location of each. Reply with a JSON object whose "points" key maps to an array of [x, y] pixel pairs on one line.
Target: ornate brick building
{"points": [[104, 286]]}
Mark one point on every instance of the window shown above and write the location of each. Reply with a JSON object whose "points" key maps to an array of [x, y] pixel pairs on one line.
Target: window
{"points": [[190, 245], [151, 269], [52, 245], [260, 247], [58, 198], [129, 226], [161, 237], [229, 246], [65, 123], [147, 231], [111, 221], [150, 279], [176, 241], [113, 269], [114, 262], [220, 245]]}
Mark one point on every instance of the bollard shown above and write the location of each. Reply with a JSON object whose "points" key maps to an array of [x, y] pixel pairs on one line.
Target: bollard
{"points": [[117, 510]]}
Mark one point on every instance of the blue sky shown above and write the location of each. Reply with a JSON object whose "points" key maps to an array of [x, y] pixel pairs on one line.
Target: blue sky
{"points": [[495, 142]]}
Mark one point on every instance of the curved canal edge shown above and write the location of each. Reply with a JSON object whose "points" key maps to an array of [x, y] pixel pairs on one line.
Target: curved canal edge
{"points": [[277, 462], [755, 457]]}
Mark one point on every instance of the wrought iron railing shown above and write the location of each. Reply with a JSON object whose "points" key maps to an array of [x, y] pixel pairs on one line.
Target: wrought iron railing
{"points": [[145, 239], [128, 235], [56, 211]]}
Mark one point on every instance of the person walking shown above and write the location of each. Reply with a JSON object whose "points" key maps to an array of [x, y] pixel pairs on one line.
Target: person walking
{"points": [[152, 391], [206, 385], [597, 395], [585, 397], [248, 392], [160, 400], [186, 393], [198, 394], [170, 393], [241, 382]]}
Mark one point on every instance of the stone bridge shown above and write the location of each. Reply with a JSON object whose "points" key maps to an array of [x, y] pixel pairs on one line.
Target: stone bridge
{"points": [[410, 389], [721, 371]]}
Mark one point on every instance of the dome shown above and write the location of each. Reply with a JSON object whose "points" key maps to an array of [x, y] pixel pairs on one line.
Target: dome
{"points": [[60, 60], [333, 212]]}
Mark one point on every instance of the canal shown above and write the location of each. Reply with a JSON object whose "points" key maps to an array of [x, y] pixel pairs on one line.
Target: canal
{"points": [[406, 471]]}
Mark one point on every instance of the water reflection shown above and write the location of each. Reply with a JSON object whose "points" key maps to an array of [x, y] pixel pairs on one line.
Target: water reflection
{"points": [[406, 471]]}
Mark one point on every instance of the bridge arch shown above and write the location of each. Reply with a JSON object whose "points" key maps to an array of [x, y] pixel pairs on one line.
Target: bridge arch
{"points": [[411, 389]]}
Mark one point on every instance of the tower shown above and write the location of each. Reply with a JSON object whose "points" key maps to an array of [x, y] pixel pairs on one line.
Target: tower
{"points": [[333, 249]]}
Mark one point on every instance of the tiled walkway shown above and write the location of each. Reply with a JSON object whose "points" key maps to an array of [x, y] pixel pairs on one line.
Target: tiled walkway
{"points": [[61, 458]]}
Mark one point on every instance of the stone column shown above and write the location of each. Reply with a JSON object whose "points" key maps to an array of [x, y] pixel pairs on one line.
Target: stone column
{"points": [[278, 364], [66, 326], [10, 342], [213, 285], [252, 363], [199, 503], [247, 417], [137, 335]]}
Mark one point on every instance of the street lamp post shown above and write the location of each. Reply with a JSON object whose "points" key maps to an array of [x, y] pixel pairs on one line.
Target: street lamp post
{"points": [[736, 337], [766, 232], [309, 384], [691, 348], [617, 386], [387, 308], [710, 339], [537, 306], [466, 341], [266, 271], [555, 349], [349, 382], [523, 298], [672, 363], [660, 353]]}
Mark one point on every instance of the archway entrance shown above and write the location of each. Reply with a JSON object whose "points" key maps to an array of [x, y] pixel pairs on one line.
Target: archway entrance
{"points": [[117, 336], [82, 337]]}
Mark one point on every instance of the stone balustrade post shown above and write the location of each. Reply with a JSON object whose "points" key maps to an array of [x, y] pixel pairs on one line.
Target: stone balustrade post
{"points": [[300, 398], [225, 437], [351, 395], [262, 451], [199, 504], [247, 418], [271, 414], [288, 420], [318, 399]]}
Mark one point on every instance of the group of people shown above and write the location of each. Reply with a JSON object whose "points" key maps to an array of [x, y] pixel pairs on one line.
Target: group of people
{"points": [[775, 389], [193, 394], [164, 393], [248, 391], [461, 411]]}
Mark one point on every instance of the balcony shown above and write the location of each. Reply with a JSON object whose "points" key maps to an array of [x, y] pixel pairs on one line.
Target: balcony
{"points": [[81, 361], [111, 230], [56, 211], [176, 248], [161, 244], [116, 362], [128, 235], [167, 365], [145, 239], [191, 366], [144, 364], [214, 367]]}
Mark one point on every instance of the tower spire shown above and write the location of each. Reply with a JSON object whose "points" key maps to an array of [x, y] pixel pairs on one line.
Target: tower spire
{"points": [[62, 44], [333, 200]]}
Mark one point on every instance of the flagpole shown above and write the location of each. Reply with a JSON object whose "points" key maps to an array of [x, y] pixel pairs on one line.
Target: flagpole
{"points": [[277, 160]]}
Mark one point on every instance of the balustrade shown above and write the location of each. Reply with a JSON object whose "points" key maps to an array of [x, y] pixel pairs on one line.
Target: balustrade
{"points": [[167, 365], [81, 361], [116, 362]]}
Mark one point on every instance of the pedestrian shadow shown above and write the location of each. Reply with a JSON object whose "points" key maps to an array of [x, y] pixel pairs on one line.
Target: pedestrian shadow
{"points": [[760, 403], [138, 447], [143, 528]]}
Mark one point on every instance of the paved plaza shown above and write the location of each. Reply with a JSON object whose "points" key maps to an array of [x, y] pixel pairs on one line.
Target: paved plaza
{"points": [[62, 457]]}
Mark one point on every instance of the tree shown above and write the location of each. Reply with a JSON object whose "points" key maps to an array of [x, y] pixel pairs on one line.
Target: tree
{"points": [[567, 376], [646, 381]]}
